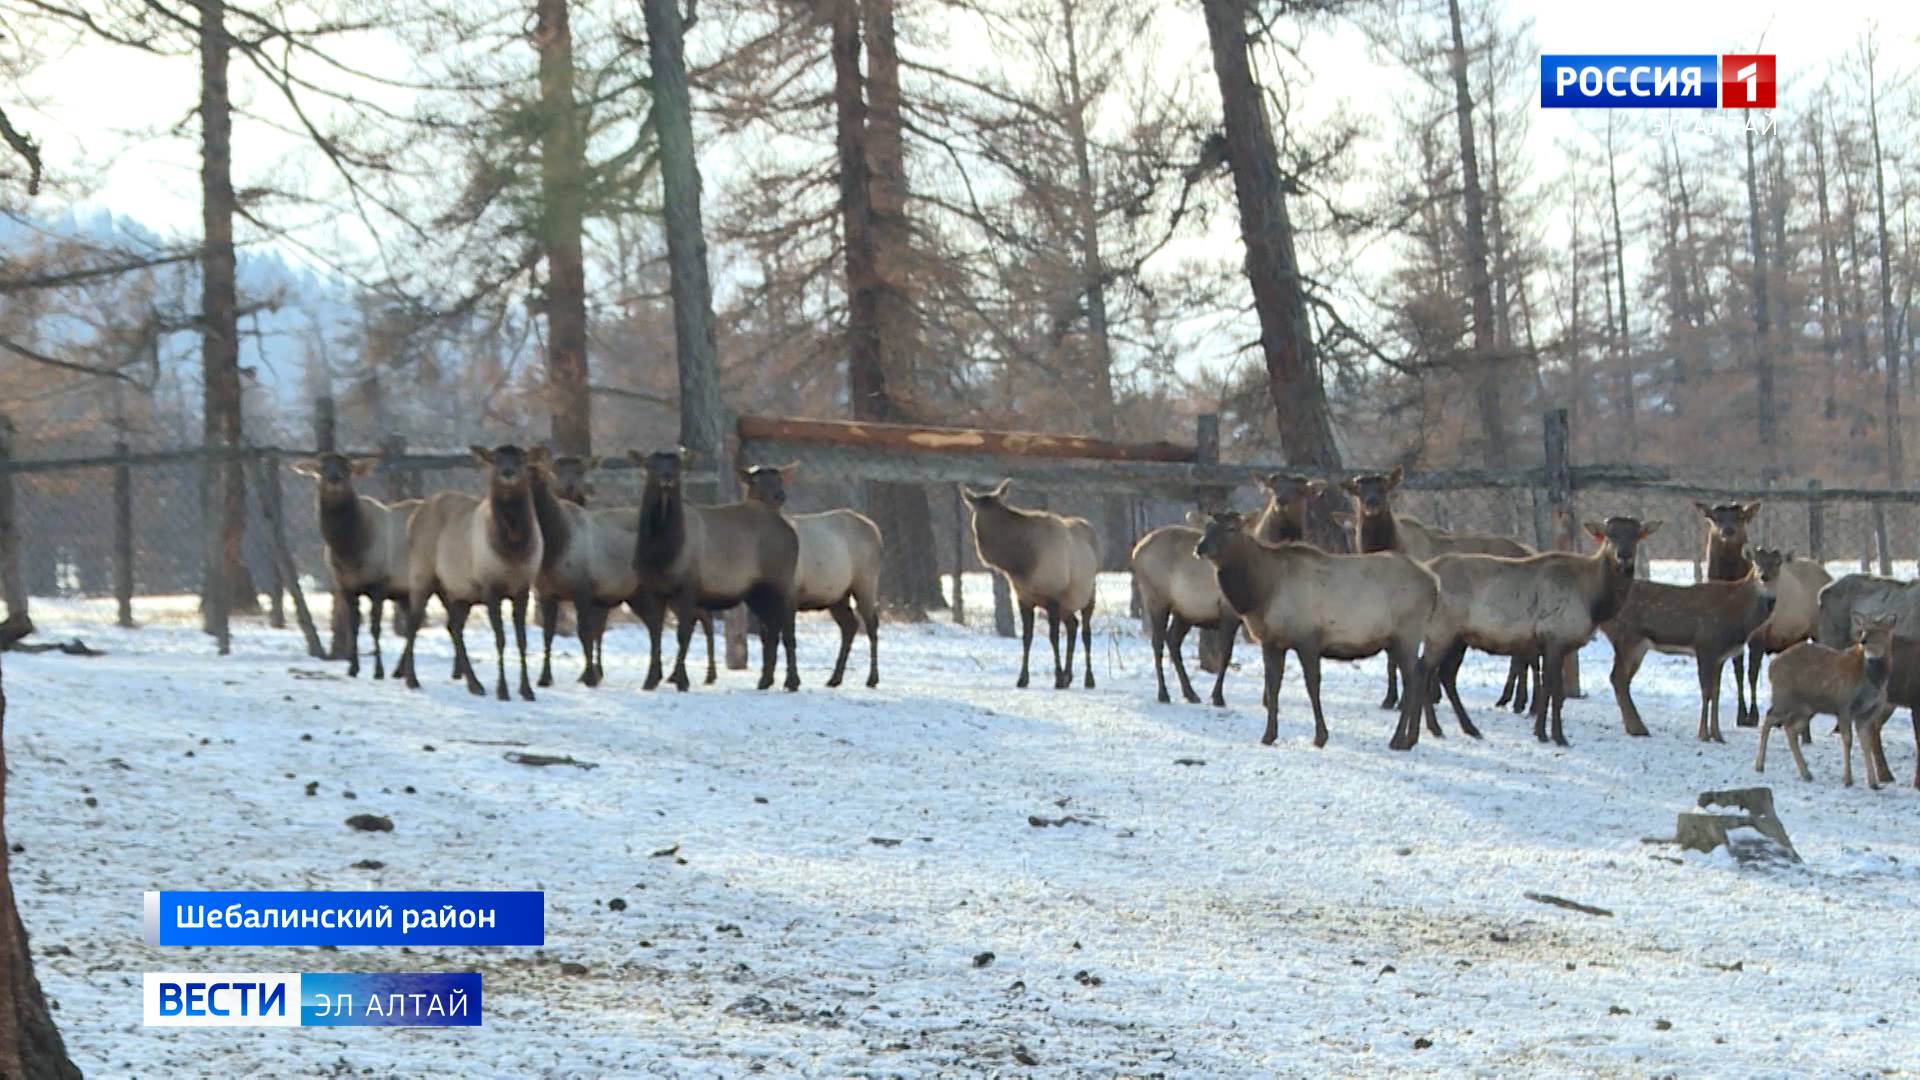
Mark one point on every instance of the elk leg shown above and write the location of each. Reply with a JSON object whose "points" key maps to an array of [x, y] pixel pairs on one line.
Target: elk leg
{"points": [[1070, 620], [1627, 657], [842, 613], [1393, 689], [652, 615], [416, 614], [1086, 642], [1799, 724], [1507, 689], [1228, 630], [1709, 673], [1310, 674], [1739, 691], [1846, 753], [1452, 688], [1176, 644], [353, 636], [491, 600], [1274, 659], [713, 672], [683, 614], [378, 599], [1157, 631], [870, 615], [593, 623], [519, 602], [549, 617], [457, 627], [1559, 695], [1026, 641], [1406, 730], [1530, 681], [1766, 732], [785, 624], [1053, 635], [1543, 703], [1915, 717]]}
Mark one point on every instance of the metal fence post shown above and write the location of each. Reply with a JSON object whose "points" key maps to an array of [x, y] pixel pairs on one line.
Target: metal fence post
{"points": [[1816, 523], [123, 533]]}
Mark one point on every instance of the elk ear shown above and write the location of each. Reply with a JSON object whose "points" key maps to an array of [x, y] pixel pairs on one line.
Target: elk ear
{"points": [[1342, 519], [481, 454], [786, 471], [1393, 478], [1000, 490], [1749, 510], [1650, 528], [306, 467], [1316, 488], [1705, 510], [1350, 486], [1196, 519], [745, 473], [1595, 530]]}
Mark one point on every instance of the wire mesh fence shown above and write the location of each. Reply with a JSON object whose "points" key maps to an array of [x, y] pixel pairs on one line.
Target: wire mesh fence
{"points": [[134, 526]]}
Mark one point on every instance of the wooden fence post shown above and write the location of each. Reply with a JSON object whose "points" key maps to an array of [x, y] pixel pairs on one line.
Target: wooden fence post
{"points": [[1880, 538], [392, 448], [12, 585], [123, 534], [1816, 523], [959, 558], [1002, 605], [268, 475], [1206, 447], [325, 436], [1560, 507]]}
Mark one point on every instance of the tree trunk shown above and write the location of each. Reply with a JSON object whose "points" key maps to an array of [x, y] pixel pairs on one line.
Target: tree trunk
{"points": [[562, 209], [1832, 303], [1762, 312], [1889, 334], [1487, 364], [1279, 298], [30, 1046], [1621, 344], [702, 414], [227, 585], [882, 331], [1576, 362]]}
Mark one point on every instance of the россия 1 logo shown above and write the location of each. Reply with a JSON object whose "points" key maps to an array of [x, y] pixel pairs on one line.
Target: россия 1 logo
{"points": [[1676, 81]]}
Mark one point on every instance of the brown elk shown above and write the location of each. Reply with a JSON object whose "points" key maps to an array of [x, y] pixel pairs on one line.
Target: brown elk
{"points": [[1293, 596], [1545, 605], [838, 568], [1710, 622], [1377, 527], [1847, 684], [1285, 515], [1179, 592], [1727, 560], [1049, 561], [366, 542], [468, 551], [1903, 692], [712, 557], [1797, 584]]}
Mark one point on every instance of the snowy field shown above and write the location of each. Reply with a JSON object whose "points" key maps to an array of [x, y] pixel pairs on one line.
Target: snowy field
{"points": [[856, 887]]}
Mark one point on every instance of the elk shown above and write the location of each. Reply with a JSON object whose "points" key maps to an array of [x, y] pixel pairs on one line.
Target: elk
{"points": [[1049, 562], [1903, 691], [586, 560], [366, 542], [1710, 622], [1179, 592], [1285, 515], [468, 551], [567, 478], [1376, 527], [1866, 594], [1848, 684], [1727, 560], [1545, 605], [1293, 596], [1796, 612], [692, 557], [838, 568]]}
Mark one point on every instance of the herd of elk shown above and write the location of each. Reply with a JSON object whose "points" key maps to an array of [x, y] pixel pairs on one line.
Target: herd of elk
{"points": [[1419, 594]]}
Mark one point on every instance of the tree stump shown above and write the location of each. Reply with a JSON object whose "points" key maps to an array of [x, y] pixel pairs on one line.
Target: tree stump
{"points": [[1704, 832]]}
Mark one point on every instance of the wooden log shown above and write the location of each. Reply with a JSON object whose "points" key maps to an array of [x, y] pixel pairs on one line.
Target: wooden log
{"points": [[123, 536], [949, 440]]}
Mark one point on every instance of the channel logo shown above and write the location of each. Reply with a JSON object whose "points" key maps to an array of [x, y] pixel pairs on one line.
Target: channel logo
{"points": [[1656, 81], [311, 999]]}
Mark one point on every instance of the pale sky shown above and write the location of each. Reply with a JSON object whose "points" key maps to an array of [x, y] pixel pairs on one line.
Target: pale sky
{"points": [[80, 105]]}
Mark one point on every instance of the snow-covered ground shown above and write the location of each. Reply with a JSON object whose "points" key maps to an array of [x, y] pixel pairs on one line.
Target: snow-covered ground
{"points": [[844, 862]]}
